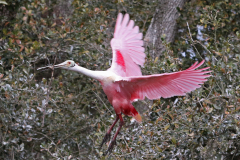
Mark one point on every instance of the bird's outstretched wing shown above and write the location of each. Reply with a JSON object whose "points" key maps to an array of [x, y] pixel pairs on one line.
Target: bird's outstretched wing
{"points": [[164, 85], [128, 52]]}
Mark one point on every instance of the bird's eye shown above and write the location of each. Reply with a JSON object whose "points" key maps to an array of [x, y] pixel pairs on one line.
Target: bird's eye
{"points": [[69, 62]]}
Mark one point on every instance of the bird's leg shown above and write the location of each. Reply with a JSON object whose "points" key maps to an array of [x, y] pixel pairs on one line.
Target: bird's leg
{"points": [[107, 135], [113, 142]]}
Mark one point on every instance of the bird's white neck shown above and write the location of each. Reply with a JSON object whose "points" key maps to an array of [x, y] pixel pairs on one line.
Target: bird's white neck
{"points": [[98, 75]]}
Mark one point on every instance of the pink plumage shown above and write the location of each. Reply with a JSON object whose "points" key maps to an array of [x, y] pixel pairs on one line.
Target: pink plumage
{"points": [[164, 85], [123, 82], [128, 42], [120, 61], [128, 54]]}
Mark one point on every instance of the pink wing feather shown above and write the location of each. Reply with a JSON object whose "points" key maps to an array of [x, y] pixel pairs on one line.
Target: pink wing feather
{"points": [[128, 52], [164, 85]]}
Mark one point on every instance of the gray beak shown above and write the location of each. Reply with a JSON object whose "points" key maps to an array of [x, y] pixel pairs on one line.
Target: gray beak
{"points": [[61, 65]]}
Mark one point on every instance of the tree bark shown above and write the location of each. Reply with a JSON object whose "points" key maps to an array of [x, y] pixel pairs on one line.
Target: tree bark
{"points": [[163, 25]]}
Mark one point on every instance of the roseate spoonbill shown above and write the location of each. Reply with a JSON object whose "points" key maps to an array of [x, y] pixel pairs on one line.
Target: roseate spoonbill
{"points": [[124, 82]]}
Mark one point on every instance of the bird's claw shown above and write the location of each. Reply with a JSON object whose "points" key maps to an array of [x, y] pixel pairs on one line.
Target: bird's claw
{"points": [[105, 139], [110, 147]]}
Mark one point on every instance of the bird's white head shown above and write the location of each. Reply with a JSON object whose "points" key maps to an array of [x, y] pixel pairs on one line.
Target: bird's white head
{"points": [[66, 64]]}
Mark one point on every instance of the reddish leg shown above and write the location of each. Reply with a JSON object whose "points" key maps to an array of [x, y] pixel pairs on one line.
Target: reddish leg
{"points": [[113, 142], [107, 135]]}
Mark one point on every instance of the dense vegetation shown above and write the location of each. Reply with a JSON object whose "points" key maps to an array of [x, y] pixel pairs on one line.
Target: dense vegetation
{"points": [[54, 114]]}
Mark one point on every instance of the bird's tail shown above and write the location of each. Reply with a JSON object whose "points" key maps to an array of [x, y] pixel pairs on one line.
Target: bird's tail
{"points": [[135, 114]]}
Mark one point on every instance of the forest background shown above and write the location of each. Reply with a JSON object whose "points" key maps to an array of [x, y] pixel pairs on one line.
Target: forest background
{"points": [[57, 114]]}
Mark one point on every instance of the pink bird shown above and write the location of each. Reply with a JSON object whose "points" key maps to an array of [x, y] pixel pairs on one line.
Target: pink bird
{"points": [[123, 82]]}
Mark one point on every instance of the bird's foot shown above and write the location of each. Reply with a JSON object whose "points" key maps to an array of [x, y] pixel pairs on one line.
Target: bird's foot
{"points": [[105, 139], [110, 147]]}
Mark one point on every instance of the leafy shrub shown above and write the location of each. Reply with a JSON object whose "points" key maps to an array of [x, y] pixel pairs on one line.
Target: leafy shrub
{"points": [[55, 114]]}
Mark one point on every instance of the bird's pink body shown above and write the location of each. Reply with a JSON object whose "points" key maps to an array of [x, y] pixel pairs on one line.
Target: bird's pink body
{"points": [[127, 83], [123, 82], [120, 100]]}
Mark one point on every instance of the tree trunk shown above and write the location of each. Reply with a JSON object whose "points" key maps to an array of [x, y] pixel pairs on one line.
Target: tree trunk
{"points": [[163, 25]]}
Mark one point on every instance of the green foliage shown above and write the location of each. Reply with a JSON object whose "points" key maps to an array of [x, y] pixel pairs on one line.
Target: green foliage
{"points": [[61, 114]]}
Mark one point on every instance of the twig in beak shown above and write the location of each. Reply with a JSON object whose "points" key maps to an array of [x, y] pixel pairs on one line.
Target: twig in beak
{"points": [[44, 67]]}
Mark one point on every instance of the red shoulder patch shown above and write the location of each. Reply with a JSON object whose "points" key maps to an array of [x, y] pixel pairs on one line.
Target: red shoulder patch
{"points": [[120, 61]]}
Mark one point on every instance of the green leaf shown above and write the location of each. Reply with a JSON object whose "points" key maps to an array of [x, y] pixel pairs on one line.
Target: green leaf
{"points": [[166, 127], [216, 107], [174, 140]]}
